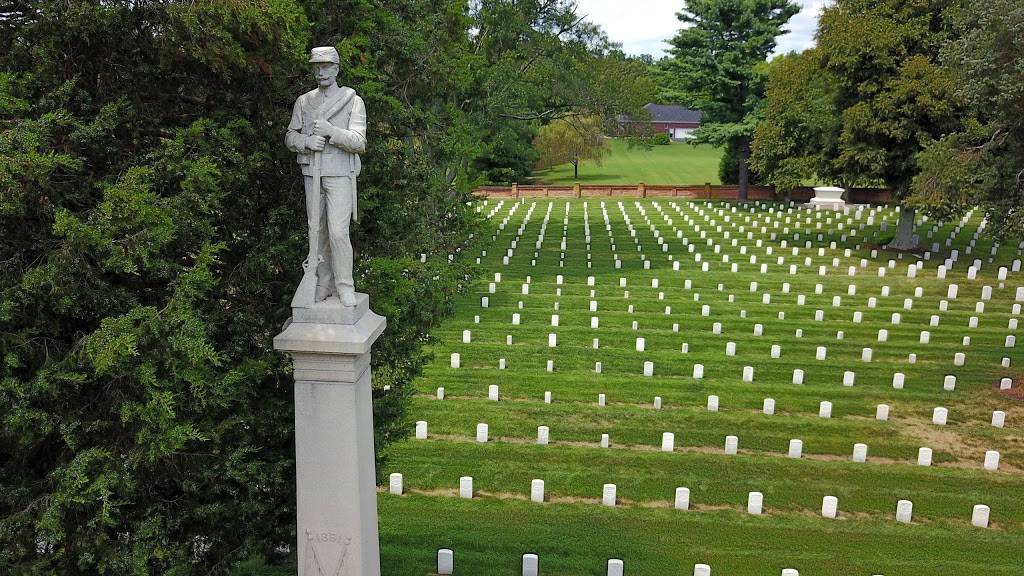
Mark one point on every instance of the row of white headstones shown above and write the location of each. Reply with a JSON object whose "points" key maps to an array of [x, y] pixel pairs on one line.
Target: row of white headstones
{"points": [[531, 566], [940, 414], [668, 443], [755, 500]]}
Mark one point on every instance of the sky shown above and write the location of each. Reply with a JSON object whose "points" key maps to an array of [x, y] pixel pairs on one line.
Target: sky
{"points": [[643, 26]]}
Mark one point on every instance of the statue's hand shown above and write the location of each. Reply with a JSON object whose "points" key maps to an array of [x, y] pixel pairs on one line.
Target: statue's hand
{"points": [[322, 128], [316, 143]]}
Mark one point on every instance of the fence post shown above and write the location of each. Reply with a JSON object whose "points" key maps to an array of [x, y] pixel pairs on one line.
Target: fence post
{"points": [[642, 188], [577, 190], [515, 190], [707, 190]]}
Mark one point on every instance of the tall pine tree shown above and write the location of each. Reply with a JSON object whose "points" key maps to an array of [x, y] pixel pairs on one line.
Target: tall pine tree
{"points": [[716, 68]]}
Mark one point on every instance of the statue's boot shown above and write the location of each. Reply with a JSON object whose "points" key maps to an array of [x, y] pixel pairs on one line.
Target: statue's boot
{"points": [[322, 292], [348, 297]]}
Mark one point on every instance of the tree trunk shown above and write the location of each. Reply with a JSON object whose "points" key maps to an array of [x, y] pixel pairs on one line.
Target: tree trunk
{"points": [[576, 169], [905, 238], [744, 175]]}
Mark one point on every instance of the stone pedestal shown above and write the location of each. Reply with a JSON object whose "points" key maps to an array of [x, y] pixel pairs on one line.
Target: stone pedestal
{"points": [[334, 458], [829, 197]]}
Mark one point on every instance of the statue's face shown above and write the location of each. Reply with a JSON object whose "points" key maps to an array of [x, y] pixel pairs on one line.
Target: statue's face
{"points": [[326, 73]]}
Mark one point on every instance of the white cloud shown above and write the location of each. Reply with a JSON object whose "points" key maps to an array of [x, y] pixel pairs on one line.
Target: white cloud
{"points": [[801, 28], [641, 26], [644, 26]]}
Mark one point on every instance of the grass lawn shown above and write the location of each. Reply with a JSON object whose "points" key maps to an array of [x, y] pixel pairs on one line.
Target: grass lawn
{"points": [[663, 302], [677, 163]]}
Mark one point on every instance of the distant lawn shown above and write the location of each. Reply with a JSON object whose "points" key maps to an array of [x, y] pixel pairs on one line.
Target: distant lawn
{"points": [[677, 163]]}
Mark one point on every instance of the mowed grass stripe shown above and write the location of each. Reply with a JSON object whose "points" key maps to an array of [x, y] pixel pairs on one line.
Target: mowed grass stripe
{"points": [[490, 536], [714, 480]]}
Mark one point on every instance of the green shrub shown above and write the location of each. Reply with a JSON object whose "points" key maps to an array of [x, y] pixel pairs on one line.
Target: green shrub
{"points": [[661, 139]]}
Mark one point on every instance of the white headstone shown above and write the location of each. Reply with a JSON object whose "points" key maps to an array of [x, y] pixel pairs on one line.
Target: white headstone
{"points": [[445, 562], [998, 418], [395, 484], [882, 412], [682, 500], [904, 511], [537, 491], [731, 445], [755, 502], [898, 380], [543, 435], [798, 376], [712, 403], [991, 460], [979, 516], [829, 506], [796, 448], [668, 442], [608, 495]]}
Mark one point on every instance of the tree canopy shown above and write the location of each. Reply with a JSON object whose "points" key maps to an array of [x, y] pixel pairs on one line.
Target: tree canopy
{"points": [[717, 67], [982, 163], [865, 101], [533, 62], [798, 135]]}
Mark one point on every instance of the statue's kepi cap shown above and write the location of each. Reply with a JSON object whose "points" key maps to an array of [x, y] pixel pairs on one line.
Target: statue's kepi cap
{"points": [[324, 54]]}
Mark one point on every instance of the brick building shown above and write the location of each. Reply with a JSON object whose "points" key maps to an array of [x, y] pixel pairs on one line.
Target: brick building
{"points": [[678, 122]]}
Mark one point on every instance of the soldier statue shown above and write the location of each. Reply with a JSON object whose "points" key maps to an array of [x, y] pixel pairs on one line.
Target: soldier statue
{"points": [[328, 133]]}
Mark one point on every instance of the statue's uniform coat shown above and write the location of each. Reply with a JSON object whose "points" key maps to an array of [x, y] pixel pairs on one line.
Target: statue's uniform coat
{"points": [[339, 164]]}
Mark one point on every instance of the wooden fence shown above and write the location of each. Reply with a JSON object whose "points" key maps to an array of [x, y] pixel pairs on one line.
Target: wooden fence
{"points": [[696, 192]]}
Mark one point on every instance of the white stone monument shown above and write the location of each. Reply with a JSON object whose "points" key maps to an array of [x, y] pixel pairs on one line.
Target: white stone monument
{"points": [[329, 337], [830, 197]]}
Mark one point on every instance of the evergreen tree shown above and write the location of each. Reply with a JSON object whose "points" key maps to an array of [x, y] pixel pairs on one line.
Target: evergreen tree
{"points": [[717, 68], [153, 230]]}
